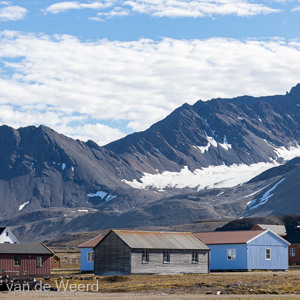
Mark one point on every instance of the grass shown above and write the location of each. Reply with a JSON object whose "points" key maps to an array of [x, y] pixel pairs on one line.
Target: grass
{"points": [[227, 283]]}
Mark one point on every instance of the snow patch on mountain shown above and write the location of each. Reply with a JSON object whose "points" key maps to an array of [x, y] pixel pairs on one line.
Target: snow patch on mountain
{"points": [[23, 205], [265, 198], [210, 177], [102, 195]]}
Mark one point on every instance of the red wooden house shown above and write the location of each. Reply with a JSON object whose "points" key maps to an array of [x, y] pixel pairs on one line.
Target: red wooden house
{"points": [[25, 259]]}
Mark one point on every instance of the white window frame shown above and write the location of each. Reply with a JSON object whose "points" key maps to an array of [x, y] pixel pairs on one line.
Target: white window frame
{"points": [[231, 254], [166, 257], [268, 253], [90, 256], [195, 257], [145, 257], [293, 252]]}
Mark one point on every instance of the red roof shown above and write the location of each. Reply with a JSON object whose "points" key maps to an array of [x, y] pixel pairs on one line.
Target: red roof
{"points": [[92, 243], [227, 237]]}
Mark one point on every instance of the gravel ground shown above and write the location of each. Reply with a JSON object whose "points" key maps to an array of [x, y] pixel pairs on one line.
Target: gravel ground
{"points": [[150, 296]]}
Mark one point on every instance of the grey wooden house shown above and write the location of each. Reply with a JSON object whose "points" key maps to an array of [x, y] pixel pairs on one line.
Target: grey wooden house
{"points": [[150, 252]]}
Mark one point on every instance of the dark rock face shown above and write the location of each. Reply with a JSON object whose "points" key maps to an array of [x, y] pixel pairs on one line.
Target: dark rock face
{"points": [[44, 169], [239, 130]]}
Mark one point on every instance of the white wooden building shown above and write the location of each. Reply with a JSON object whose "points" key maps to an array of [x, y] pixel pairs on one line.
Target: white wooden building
{"points": [[7, 237]]}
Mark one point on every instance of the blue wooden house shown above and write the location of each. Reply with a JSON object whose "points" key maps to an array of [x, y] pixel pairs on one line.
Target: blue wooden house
{"points": [[87, 254], [246, 250]]}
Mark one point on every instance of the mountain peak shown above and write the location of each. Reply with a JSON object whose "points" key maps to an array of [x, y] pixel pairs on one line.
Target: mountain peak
{"points": [[295, 90]]}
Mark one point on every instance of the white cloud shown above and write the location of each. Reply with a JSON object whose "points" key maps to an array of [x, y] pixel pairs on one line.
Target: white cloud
{"points": [[167, 8], [198, 8], [69, 5], [12, 13], [65, 83]]}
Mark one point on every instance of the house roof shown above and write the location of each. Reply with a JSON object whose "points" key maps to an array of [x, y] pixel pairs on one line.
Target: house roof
{"points": [[293, 234], [160, 240], [278, 229], [228, 237], [33, 248], [92, 243]]}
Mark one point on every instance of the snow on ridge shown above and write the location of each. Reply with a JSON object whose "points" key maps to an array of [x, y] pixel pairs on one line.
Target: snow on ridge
{"points": [[225, 144], [212, 142], [23, 205], [210, 177], [202, 148], [102, 195], [265, 198], [252, 194]]}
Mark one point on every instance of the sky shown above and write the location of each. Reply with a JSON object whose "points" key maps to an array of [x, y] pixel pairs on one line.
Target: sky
{"points": [[100, 70]]}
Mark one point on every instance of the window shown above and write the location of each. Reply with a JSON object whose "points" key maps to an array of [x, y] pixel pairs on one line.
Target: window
{"points": [[268, 254], [39, 261], [292, 252], [145, 257], [6, 233], [90, 256], [231, 254], [195, 257], [166, 256], [17, 261]]}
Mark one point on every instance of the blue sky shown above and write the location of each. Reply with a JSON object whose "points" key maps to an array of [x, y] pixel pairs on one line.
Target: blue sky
{"points": [[102, 69]]}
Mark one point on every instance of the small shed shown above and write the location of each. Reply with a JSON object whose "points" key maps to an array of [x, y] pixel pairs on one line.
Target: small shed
{"points": [[25, 259], [150, 252], [55, 262], [246, 250], [87, 254]]}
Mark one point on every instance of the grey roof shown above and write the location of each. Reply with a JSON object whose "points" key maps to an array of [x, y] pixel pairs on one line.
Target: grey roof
{"points": [[279, 229], [24, 249], [160, 240]]}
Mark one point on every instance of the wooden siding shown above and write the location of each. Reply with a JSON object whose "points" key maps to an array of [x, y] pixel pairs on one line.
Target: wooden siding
{"points": [[86, 265], [180, 262], [111, 256], [55, 262], [28, 264], [219, 259], [257, 253], [294, 259]]}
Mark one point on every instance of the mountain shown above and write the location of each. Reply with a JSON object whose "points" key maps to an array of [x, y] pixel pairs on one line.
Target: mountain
{"points": [[41, 169], [253, 131], [217, 159]]}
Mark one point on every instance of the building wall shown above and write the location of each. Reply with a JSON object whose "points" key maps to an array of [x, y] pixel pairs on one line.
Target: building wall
{"points": [[55, 262], [111, 256], [219, 259], [180, 262], [257, 253], [86, 265], [28, 264], [294, 259]]}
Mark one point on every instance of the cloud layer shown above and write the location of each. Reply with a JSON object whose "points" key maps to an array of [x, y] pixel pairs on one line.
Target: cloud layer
{"points": [[166, 8], [78, 87]]}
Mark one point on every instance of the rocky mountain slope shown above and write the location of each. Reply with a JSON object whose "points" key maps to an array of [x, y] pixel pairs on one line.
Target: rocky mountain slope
{"points": [[41, 169], [221, 132], [187, 167]]}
